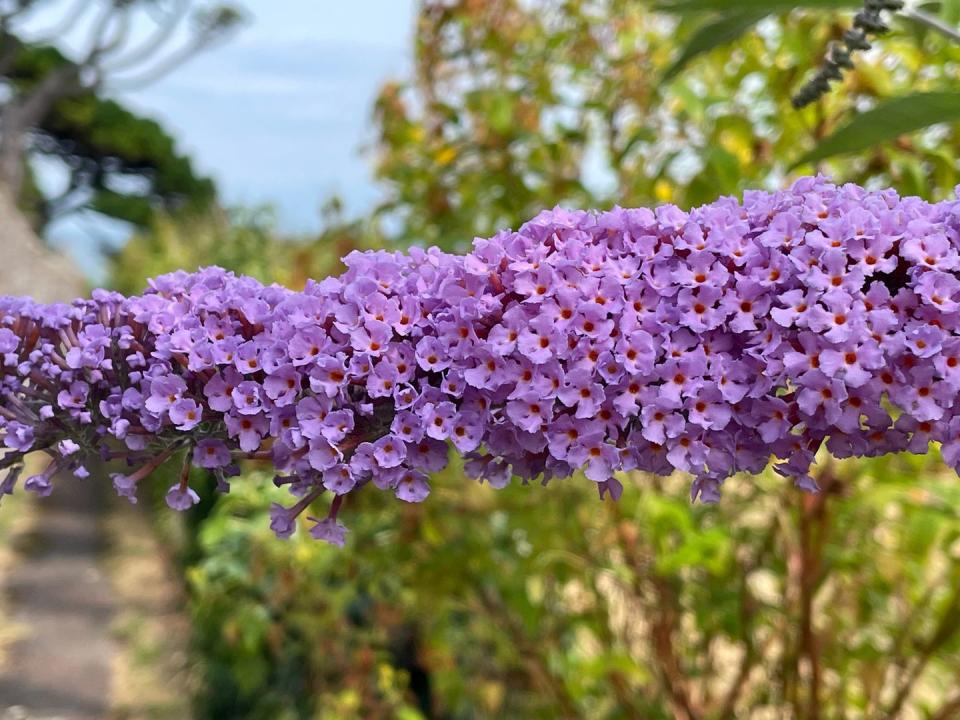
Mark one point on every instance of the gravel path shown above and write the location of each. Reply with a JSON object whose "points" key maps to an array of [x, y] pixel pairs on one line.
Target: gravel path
{"points": [[60, 595]]}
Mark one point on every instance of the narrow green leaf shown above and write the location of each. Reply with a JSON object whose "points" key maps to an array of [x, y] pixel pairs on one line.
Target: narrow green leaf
{"points": [[713, 34], [767, 6], [887, 121]]}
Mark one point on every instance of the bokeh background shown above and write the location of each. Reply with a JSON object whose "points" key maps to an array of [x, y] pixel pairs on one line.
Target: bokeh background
{"points": [[274, 138]]}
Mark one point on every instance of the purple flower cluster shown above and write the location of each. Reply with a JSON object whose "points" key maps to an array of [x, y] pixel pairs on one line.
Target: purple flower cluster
{"points": [[635, 339]]}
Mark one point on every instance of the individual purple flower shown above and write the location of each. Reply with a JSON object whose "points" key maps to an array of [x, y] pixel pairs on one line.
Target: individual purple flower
{"points": [[536, 285], [329, 530], [75, 397], [211, 453], [336, 425], [795, 307], [851, 364], [322, 455], [821, 398], [306, 345], [328, 376], [125, 486], [438, 419], [636, 352], [67, 447], [537, 342], [247, 429], [389, 451], [660, 422], [598, 458], [282, 385], [466, 433], [428, 455], [581, 391], [382, 381], [412, 487], [41, 484], [185, 414], [219, 389], [530, 413], [312, 414], [19, 437], [247, 397], [164, 392], [181, 497], [283, 520], [940, 290], [339, 479], [371, 338], [699, 309], [839, 317], [831, 275], [431, 355], [708, 409], [923, 340]]}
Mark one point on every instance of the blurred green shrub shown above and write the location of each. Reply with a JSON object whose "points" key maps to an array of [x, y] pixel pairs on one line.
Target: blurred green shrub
{"points": [[515, 106], [543, 602]]}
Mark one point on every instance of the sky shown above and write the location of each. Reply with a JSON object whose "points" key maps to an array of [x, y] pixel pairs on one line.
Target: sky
{"points": [[280, 113]]}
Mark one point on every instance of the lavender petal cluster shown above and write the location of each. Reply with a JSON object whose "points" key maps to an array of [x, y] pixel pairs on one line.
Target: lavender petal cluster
{"points": [[709, 342]]}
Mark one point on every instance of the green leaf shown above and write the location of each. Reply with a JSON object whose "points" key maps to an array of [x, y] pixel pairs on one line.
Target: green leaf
{"points": [[713, 34], [767, 6], [887, 121], [950, 11]]}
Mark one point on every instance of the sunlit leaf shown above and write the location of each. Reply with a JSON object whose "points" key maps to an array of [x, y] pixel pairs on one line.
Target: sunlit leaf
{"points": [[950, 11]]}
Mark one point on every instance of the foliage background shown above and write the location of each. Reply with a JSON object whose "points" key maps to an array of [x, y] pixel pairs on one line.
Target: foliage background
{"points": [[533, 602]]}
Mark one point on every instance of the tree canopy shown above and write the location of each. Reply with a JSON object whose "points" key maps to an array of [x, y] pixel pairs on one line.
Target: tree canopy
{"points": [[59, 108]]}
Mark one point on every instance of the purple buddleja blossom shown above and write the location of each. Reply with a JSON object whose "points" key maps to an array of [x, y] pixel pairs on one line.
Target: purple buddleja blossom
{"points": [[219, 389], [389, 451], [211, 453], [180, 497], [282, 521], [330, 531], [339, 479], [282, 385], [185, 414], [246, 397], [530, 412], [41, 483], [438, 419], [125, 485], [656, 340], [412, 487], [164, 392]]}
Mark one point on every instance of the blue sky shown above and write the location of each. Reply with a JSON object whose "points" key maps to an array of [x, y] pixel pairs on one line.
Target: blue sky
{"points": [[279, 114]]}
